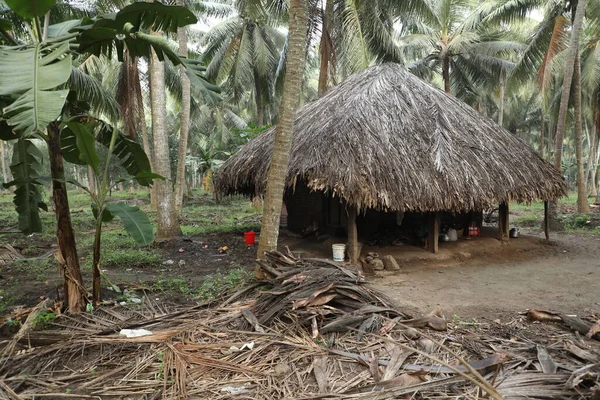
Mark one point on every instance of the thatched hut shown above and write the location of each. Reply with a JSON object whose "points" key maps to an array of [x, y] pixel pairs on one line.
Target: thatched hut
{"points": [[384, 142]]}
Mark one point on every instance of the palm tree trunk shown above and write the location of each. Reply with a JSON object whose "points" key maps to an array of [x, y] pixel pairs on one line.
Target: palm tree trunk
{"points": [[501, 102], [593, 150], [258, 99], [446, 73], [74, 292], [167, 221], [542, 134], [280, 158], [325, 47], [564, 99], [185, 119], [145, 138], [3, 160], [582, 203]]}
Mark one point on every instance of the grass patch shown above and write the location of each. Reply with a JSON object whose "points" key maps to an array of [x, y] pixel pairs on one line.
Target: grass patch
{"points": [[173, 284], [39, 269], [123, 258], [212, 286], [6, 298], [225, 228], [43, 320], [218, 283], [532, 220], [575, 221], [121, 250]]}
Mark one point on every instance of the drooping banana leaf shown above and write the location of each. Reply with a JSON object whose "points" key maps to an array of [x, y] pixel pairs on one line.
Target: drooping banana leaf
{"points": [[135, 221], [84, 142], [26, 168], [33, 73], [131, 154]]}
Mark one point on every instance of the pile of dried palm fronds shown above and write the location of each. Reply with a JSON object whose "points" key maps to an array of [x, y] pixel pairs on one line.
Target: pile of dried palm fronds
{"points": [[210, 351]]}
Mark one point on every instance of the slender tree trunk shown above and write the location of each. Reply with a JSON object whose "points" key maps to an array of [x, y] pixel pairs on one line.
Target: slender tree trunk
{"points": [[96, 279], [141, 116], [283, 134], [446, 73], [258, 99], [592, 140], [325, 47], [564, 99], [74, 290], [3, 160], [185, 118], [501, 101], [167, 221], [582, 202], [542, 134]]}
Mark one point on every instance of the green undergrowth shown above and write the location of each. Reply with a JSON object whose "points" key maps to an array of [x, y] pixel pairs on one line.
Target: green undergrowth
{"points": [[39, 269], [576, 221], [120, 250], [43, 320], [215, 284], [529, 221], [539, 205], [7, 297], [211, 287], [203, 215], [224, 228]]}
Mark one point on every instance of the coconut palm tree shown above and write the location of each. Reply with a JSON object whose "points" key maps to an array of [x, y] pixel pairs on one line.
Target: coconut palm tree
{"points": [[572, 70], [458, 47], [350, 35], [283, 137], [242, 54]]}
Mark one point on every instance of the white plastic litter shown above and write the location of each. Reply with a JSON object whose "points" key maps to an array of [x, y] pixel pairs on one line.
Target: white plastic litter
{"points": [[235, 349], [249, 346], [133, 333], [236, 389]]}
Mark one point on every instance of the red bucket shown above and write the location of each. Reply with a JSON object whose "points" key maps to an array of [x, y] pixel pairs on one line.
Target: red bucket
{"points": [[250, 237]]}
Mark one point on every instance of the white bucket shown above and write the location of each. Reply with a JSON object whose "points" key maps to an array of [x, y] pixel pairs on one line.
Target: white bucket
{"points": [[339, 251]]}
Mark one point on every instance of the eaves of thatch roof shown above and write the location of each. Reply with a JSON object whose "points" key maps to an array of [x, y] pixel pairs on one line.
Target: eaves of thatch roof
{"points": [[385, 139]]}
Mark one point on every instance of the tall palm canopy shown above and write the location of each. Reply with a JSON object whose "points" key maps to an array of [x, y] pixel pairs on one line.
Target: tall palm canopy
{"points": [[385, 139]]}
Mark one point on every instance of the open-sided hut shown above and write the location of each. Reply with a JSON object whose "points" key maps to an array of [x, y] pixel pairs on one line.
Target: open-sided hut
{"points": [[384, 142]]}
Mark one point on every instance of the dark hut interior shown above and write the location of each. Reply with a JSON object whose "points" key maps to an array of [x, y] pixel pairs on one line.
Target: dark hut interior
{"points": [[316, 214]]}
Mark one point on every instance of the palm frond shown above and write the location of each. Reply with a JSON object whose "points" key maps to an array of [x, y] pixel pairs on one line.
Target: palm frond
{"points": [[91, 91]]}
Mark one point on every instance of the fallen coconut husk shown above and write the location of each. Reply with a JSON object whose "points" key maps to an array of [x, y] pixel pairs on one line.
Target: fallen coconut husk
{"points": [[221, 350]]}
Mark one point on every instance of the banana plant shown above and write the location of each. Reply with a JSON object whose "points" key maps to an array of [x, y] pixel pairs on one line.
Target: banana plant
{"points": [[38, 102], [79, 137]]}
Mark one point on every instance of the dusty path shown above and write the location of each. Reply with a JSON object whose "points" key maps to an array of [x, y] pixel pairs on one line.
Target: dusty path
{"points": [[562, 275]]}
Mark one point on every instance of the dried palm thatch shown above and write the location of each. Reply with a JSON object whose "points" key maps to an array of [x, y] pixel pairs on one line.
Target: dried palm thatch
{"points": [[386, 140], [220, 350]]}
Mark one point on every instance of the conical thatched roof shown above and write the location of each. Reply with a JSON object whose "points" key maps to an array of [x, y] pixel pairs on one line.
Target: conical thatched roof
{"points": [[384, 139]]}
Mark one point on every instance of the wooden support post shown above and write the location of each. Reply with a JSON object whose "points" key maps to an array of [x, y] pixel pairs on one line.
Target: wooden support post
{"points": [[352, 236], [503, 222], [468, 220], [434, 231], [546, 227]]}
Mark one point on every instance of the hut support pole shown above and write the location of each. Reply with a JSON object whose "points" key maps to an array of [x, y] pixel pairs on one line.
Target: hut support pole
{"points": [[503, 222], [546, 227], [434, 231], [352, 236]]}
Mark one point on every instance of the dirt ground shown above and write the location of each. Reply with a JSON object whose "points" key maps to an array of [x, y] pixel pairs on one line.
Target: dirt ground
{"points": [[484, 278], [472, 279]]}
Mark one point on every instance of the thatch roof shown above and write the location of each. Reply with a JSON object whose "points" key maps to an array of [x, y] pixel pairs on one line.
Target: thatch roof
{"points": [[385, 139]]}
